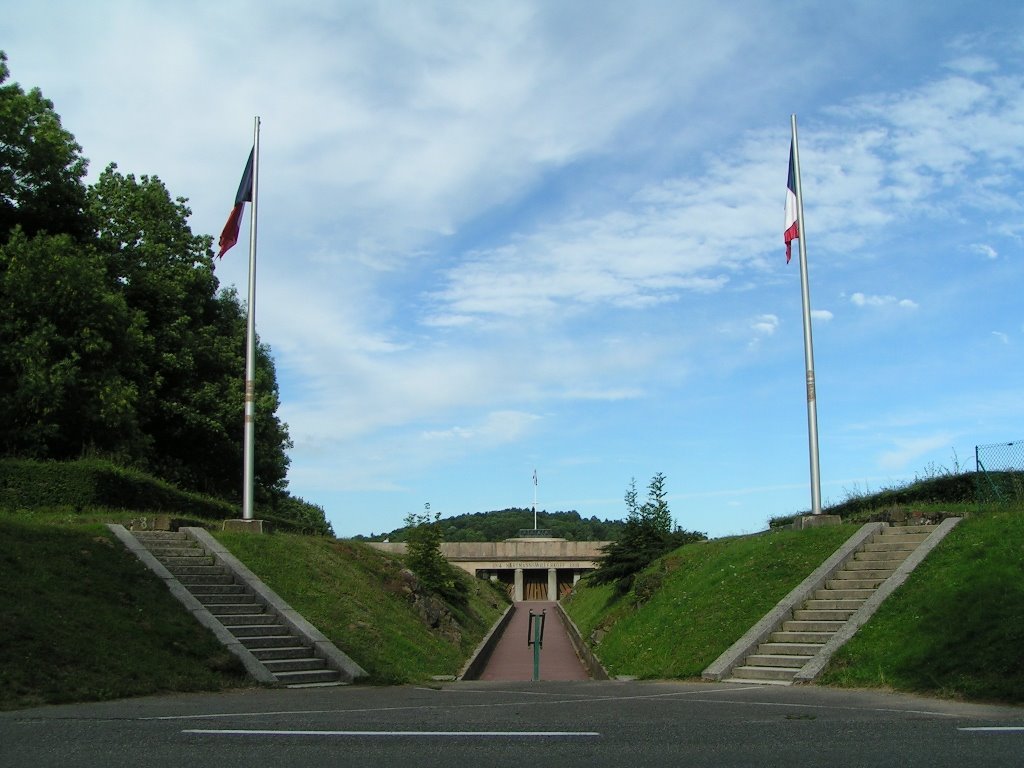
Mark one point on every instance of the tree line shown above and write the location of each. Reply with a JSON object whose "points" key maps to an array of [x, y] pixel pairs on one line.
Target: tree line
{"points": [[116, 338], [503, 524]]}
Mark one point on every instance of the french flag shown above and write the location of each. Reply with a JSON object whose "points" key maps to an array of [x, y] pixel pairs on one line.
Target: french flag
{"points": [[792, 230], [229, 235]]}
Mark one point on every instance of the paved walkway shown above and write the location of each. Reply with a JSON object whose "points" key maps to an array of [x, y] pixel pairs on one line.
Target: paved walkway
{"points": [[512, 658]]}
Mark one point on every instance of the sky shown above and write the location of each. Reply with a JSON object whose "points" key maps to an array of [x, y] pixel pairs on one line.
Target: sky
{"points": [[504, 237]]}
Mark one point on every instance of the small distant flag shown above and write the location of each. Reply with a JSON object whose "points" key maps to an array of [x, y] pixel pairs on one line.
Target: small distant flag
{"points": [[229, 236], [535, 477], [792, 230]]}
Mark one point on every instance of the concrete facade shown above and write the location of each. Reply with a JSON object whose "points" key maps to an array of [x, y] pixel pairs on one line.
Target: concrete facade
{"points": [[532, 568]]}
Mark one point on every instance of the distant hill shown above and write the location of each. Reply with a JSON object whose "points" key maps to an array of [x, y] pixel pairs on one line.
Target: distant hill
{"points": [[503, 524]]}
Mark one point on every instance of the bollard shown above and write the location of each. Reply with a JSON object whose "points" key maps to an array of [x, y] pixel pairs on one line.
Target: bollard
{"points": [[535, 637]]}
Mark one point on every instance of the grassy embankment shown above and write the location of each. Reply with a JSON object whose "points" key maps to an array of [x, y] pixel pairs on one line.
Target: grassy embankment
{"points": [[83, 620], [954, 629], [692, 604]]}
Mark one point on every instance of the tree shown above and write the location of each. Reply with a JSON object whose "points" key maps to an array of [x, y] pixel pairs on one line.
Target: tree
{"points": [[424, 558], [647, 535], [192, 357], [41, 166], [68, 344]]}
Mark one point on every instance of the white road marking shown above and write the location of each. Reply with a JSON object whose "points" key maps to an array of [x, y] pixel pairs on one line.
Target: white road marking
{"points": [[996, 729], [388, 734]]}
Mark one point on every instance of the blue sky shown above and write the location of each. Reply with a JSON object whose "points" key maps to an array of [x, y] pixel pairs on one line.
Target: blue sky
{"points": [[504, 236]]}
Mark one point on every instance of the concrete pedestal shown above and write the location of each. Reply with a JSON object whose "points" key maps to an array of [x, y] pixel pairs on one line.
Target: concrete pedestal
{"points": [[252, 526]]}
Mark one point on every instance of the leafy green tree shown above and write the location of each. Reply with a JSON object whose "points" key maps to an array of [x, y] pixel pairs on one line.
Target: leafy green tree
{"points": [[192, 358], [68, 342], [41, 166]]}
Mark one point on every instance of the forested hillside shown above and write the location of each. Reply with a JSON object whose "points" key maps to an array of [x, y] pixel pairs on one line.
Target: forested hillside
{"points": [[506, 523], [116, 339]]}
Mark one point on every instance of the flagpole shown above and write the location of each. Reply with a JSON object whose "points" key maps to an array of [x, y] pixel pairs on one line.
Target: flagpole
{"points": [[248, 478], [535, 499], [812, 399]]}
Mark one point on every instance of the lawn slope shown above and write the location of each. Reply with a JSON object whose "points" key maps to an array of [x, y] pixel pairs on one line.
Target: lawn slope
{"points": [[956, 627], [82, 619], [359, 598], [691, 605]]}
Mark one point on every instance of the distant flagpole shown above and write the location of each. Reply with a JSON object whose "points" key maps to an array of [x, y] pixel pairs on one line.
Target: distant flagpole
{"points": [[812, 399], [249, 461], [535, 499]]}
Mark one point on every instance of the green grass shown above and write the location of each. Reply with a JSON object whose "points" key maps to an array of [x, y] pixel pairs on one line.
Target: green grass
{"points": [[83, 620], [956, 627], [355, 595], [690, 606]]}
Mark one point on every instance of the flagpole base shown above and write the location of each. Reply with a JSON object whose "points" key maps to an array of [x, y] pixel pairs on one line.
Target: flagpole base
{"points": [[815, 521], [249, 526]]}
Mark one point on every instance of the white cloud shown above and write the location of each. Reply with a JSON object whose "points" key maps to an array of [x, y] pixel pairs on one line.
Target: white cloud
{"points": [[906, 451], [985, 250], [866, 300], [821, 314], [765, 325], [1002, 337]]}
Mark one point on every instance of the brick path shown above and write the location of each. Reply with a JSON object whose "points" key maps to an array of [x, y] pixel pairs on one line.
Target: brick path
{"points": [[512, 658]]}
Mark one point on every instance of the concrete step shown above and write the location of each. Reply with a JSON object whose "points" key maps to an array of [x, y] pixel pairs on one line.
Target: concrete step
{"points": [[210, 599], [833, 604], [160, 536], [891, 544], [869, 565], [172, 549], [199, 559], [775, 660], [791, 636], [761, 674], [859, 574], [843, 594], [198, 570], [254, 643], [245, 631], [302, 664], [748, 681], [797, 625], [789, 649], [232, 620], [853, 583], [218, 589], [895, 556], [282, 652], [221, 610], [802, 614], [190, 580], [309, 677], [905, 533]]}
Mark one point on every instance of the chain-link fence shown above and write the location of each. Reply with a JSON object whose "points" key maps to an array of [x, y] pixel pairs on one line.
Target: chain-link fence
{"points": [[998, 471], [1000, 457]]}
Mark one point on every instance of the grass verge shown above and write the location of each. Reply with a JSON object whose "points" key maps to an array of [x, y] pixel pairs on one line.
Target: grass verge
{"points": [[357, 597], [690, 606], [956, 627], [83, 620]]}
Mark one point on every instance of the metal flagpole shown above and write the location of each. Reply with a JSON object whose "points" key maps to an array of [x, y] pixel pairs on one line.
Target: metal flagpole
{"points": [[812, 400], [248, 479], [535, 499]]}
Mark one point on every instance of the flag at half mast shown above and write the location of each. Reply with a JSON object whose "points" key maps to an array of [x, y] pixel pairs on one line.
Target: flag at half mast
{"points": [[229, 235], [792, 229]]}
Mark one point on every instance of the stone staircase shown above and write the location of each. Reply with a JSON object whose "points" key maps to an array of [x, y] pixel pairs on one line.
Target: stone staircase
{"points": [[247, 617], [778, 660]]}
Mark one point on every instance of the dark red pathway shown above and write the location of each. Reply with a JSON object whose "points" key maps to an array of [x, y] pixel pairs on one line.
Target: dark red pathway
{"points": [[512, 658]]}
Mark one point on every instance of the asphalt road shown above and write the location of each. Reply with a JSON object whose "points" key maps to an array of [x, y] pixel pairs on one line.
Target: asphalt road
{"points": [[564, 724]]}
